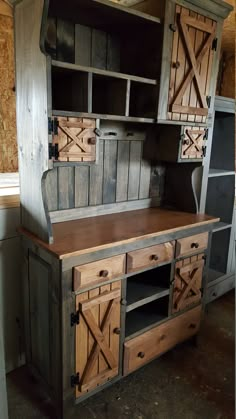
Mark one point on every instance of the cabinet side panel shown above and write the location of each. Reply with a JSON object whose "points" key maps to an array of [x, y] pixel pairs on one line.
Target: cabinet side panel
{"points": [[32, 121]]}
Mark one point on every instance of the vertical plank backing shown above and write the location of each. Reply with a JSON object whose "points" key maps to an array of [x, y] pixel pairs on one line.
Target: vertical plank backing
{"points": [[134, 169], [83, 45], [200, 36], [65, 187], [122, 171], [65, 41], [81, 186], [145, 175], [181, 58], [51, 186], [185, 100], [109, 172], [113, 53], [99, 49], [96, 179]]}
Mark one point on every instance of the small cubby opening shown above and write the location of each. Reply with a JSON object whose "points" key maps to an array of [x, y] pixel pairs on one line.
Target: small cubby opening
{"points": [[143, 100], [220, 197], [146, 316], [70, 90], [109, 95], [222, 156], [104, 36], [219, 254], [147, 286]]}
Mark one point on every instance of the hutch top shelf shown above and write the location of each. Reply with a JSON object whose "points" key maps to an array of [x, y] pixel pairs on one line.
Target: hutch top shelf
{"points": [[78, 237]]}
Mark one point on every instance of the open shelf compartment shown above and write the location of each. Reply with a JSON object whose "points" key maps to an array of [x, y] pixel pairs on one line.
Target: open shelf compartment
{"points": [[147, 286], [219, 254], [146, 316]]}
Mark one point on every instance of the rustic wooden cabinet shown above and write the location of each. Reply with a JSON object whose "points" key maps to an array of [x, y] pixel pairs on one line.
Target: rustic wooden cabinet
{"points": [[115, 255]]}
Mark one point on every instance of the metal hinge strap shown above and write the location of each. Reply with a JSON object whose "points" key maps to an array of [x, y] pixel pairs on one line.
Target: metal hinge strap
{"points": [[74, 380], [52, 126], [215, 44], [53, 151], [74, 318]]}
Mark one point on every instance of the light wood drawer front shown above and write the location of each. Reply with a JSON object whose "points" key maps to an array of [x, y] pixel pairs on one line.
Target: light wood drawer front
{"points": [[150, 256], [99, 271], [156, 341], [192, 244]]}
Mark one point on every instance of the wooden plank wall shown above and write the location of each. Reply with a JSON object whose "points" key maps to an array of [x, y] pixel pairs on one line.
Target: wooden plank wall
{"points": [[121, 175], [8, 144]]}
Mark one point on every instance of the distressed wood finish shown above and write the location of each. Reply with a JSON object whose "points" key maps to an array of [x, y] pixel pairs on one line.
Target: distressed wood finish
{"points": [[193, 143], [151, 256], [97, 343], [94, 273], [188, 51], [97, 233], [76, 139], [32, 121], [190, 245], [188, 282], [144, 348]]}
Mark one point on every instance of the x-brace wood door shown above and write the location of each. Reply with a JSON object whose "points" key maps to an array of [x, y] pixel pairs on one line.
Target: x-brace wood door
{"points": [[191, 65], [193, 143], [188, 282], [76, 139], [97, 336]]}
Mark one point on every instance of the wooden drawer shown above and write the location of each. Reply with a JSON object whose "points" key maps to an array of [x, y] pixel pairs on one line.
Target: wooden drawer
{"points": [[99, 271], [160, 339], [191, 245], [150, 256]]}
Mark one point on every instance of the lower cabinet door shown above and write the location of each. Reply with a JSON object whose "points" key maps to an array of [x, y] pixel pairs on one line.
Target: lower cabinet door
{"points": [[188, 282], [149, 345], [97, 336]]}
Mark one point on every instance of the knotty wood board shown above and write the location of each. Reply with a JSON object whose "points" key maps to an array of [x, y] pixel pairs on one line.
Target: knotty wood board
{"points": [[96, 233]]}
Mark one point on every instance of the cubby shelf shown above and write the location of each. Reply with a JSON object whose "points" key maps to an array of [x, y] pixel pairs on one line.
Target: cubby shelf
{"points": [[102, 116], [217, 172], [221, 226], [213, 275], [140, 293]]}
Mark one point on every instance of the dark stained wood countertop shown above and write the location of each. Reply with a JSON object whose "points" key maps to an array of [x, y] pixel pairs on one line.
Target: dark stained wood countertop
{"points": [[86, 235]]}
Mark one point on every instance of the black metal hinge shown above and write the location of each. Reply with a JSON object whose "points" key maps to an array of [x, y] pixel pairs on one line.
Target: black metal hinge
{"points": [[53, 151], [208, 100], [52, 126], [74, 380], [206, 134], [74, 318], [215, 44], [204, 151]]}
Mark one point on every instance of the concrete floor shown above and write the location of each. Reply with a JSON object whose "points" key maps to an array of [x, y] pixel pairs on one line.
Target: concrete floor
{"points": [[186, 383]]}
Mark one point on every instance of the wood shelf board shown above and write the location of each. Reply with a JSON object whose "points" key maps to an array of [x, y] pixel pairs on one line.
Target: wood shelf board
{"points": [[138, 321], [218, 172], [221, 226], [101, 14], [72, 114], [140, 293], [213, 275], [74, 238], [106, 73]]}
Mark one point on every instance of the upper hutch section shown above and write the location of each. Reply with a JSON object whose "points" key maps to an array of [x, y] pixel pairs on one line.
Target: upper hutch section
{"points": [[107, 61]]}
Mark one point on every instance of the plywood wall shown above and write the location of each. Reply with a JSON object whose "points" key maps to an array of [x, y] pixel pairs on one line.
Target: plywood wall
{"points": [[8, 144]]}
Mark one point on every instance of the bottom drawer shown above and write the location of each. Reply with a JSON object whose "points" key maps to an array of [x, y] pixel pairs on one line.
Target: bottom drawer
{"points": [[160, 339], [220, 289]]}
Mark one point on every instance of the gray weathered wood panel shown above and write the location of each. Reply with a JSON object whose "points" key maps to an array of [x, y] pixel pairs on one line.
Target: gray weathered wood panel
{"points": [[32, 114], [134, 169], [81, 186], [83, 45], [109, 173], [122, 171], [66, 187]]}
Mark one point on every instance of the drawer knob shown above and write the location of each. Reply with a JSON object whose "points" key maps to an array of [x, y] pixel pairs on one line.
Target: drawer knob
{"points": [[92, 141], [176, 64], [192, 326], [141, 355], [195, 245], [117, 331], [162, 337], [104, 274], [154, 257], [214, 294]]}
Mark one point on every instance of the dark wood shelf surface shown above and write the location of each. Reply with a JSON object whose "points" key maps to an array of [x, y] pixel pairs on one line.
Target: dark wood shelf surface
{"points": [[73, 238]]}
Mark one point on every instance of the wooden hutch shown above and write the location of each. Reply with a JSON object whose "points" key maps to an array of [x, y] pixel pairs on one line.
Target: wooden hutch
{"points": [[113, 114]]}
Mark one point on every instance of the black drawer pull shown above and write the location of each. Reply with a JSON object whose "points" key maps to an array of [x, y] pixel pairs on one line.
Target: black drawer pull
{"points": [[173, 27], [104, 274], [176, 64], [195, 245], [192, 326], [141, 355], [117, 331], [162, 337], [154, 257]]}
